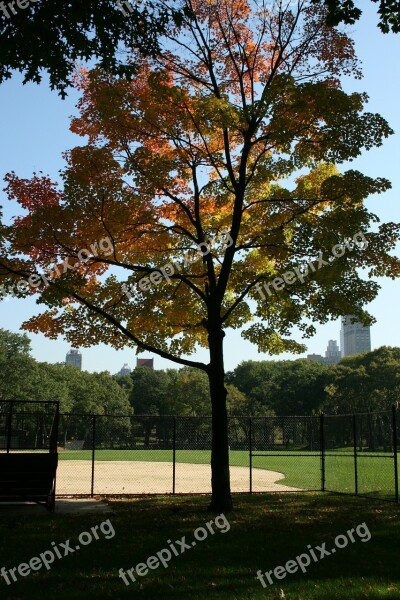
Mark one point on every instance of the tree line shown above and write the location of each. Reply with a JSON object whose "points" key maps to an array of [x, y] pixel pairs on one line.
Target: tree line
{"points": [[24, 378], [367, 382], [363, 383]]}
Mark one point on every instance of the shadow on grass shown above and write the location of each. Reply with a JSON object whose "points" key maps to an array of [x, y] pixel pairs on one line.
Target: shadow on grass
{"points": [[266, 531]]}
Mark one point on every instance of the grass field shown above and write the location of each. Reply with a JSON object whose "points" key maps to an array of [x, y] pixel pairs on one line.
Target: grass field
{"points": [[375, 475], [265, 531]]}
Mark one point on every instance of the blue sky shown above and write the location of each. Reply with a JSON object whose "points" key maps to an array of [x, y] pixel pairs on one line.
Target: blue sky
{"points": [[34, 131]]}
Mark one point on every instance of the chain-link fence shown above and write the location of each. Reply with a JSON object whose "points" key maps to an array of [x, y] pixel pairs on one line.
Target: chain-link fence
{"points": [[290, 448], [28, 452], [128, 455], [361, 454], [28, 426]]}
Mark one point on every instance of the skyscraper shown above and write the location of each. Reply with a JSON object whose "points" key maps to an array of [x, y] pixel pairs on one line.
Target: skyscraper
{"points": [[74, 358], [354, 337], [332, 354]]}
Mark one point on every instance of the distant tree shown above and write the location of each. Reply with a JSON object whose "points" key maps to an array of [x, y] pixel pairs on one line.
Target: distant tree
{"points": [[149, 394], [17, 367], [254, 379], [24, 378], [192, 392], [111, 396], [293, 387], [13, 343], [299, 387], [52, 382], [237, 403], [365, 382], [125, 382]]}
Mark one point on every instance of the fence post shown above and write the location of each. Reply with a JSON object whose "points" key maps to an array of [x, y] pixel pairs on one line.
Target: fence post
{"points": [[355, 454], [93, 452], [174, 458], [53, 439], [396, 471], [322, 442], [251, 453], [9, 427]]}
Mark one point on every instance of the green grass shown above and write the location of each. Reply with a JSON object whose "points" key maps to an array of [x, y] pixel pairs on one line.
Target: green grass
{"points": [[375, 475], [266, 531]]}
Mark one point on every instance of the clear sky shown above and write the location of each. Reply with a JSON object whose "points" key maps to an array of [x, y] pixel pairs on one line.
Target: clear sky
{"points": [[34, 131]]}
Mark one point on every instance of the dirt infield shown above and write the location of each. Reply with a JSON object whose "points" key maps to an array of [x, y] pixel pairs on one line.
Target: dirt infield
{"points": [[135, 477]]}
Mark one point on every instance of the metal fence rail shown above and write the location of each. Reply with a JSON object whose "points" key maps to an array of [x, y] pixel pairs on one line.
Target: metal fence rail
{"points": [[145, 454]]}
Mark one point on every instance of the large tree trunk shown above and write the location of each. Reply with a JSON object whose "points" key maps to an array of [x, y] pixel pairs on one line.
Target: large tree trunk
{"points": [[221, 499]]}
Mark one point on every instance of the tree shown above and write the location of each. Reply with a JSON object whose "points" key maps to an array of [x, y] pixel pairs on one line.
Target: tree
{"points": [[191, 393], [125, 382], [17, 367], [65, 32], [198, 144], [149, 394], [12, 344], [284, 387], [367, 382], [346, 11]]}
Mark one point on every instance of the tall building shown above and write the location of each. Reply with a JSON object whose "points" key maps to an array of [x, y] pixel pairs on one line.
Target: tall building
{"points": [[74, 358], [354, 337], [145, 362], [125, 370], [332, 354]]}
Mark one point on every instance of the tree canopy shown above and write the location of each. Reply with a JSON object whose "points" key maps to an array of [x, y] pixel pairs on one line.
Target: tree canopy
{"points": [[194, 147], [362, 383], [64, 32], [348, 11], [290, 387]]}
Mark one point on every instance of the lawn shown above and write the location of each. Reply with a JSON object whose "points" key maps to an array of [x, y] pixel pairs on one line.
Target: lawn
{"points": [[265, 531], [375, 475]]}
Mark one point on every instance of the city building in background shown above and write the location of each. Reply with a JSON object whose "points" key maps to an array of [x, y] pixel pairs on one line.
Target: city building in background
{"points": [[74, 358], [145, 362], [126, 370], [332, 354], [316, 358], [354, 337]]}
